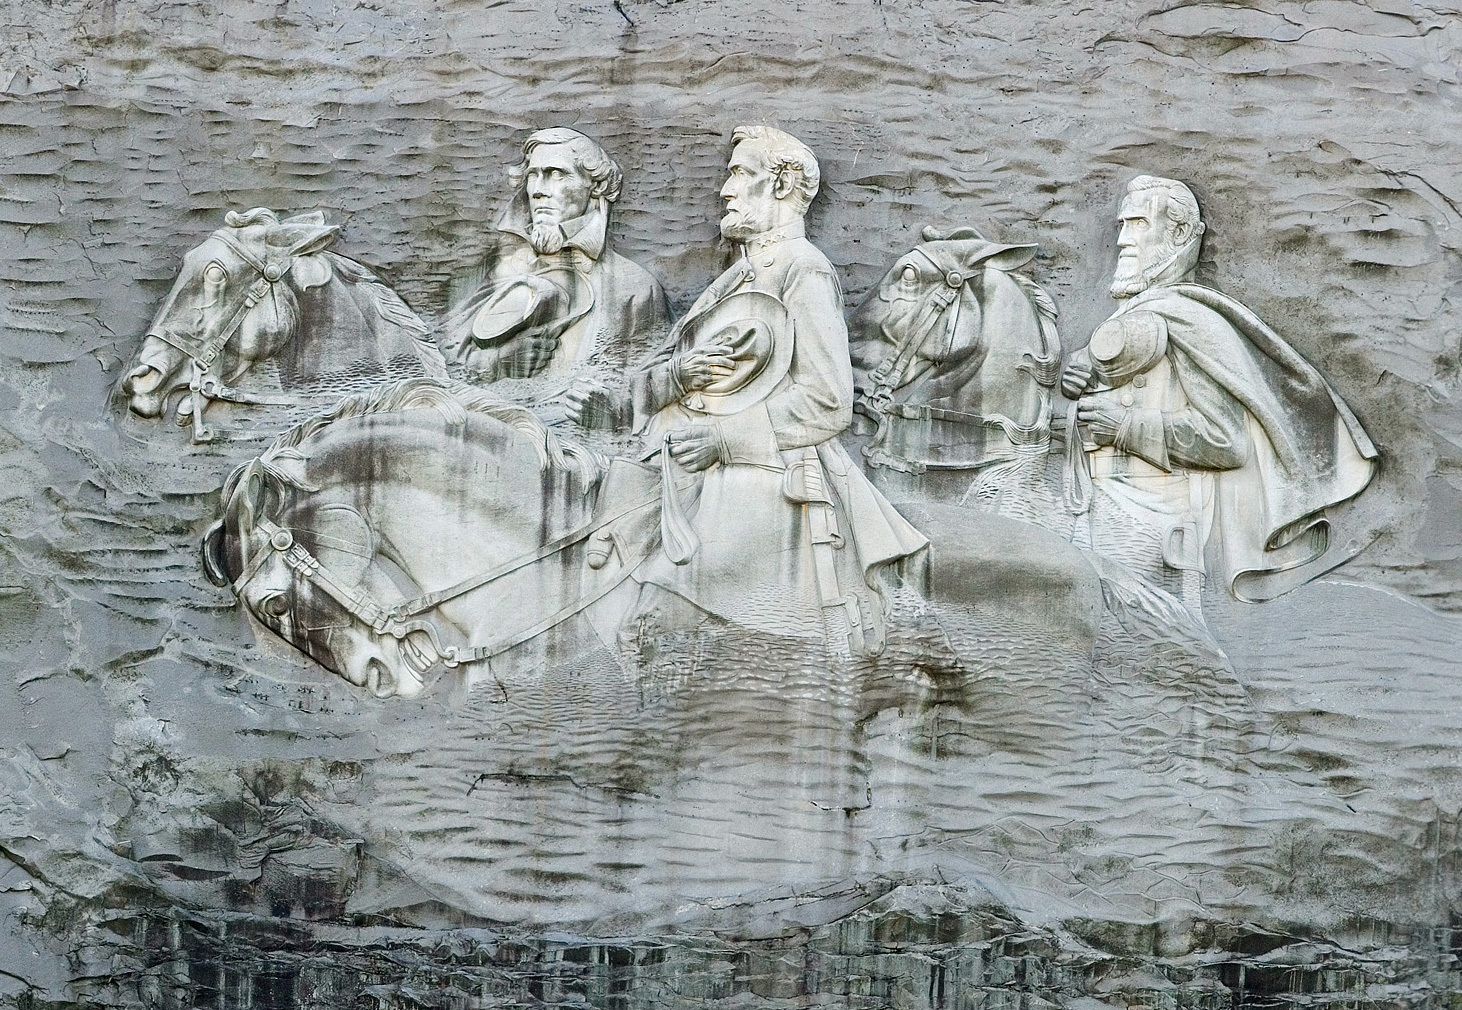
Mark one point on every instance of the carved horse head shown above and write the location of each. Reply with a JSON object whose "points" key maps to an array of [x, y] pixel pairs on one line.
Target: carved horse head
{"points": [[954, 355], [234, 304], [296, 565], [340, 537]]}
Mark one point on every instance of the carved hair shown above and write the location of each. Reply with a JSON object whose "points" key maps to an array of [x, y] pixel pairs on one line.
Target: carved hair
{"points": [[256, 216], [785, 153], [1181, 205], [589, 158]]}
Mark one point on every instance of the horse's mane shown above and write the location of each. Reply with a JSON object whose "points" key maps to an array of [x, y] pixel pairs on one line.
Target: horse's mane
{"points": [[454, 400], [1037, 295], [1046, 370], [390, 307]]}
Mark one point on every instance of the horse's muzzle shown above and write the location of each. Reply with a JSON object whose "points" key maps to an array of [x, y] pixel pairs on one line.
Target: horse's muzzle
{"points": [[146, 386], [141, 385]]}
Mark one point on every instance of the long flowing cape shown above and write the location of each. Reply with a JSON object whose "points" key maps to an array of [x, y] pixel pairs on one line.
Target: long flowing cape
{"points": [[1274, 515]]}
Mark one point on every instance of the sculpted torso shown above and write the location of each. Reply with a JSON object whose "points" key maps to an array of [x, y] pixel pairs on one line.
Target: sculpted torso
{"points": [[561, 317], [1210, 445]]}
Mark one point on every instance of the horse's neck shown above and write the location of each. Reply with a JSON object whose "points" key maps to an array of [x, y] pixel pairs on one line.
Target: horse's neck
{"points": [[436, 521], [333, 333], [352, 321], [411, 466], [997, 375]]}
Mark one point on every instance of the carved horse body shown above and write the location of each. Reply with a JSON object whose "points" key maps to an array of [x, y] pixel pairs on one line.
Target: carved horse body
{"points": [[955, 357], [260, 289], [419, 528]]}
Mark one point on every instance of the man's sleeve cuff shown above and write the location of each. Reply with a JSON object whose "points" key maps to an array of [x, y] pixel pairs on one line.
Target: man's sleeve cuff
{"points": [[1144, 434], [747, 438], [660, 386]]}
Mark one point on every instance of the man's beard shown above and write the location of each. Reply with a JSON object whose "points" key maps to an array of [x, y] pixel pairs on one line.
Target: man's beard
{"points": [[546, 237], [736, 228], [1133, 276]]}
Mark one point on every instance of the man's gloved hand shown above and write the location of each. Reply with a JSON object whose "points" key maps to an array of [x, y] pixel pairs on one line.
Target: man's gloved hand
{"points": [[1101, 416], [526, 356], [694, 446], [1077, 375], [698, 368], [590, 403]]}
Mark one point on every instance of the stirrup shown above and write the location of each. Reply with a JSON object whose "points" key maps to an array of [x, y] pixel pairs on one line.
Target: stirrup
{"points": [[601, 548]]}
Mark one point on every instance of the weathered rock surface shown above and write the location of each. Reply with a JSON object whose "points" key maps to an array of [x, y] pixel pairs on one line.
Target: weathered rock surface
{"points": [[191, 815]]}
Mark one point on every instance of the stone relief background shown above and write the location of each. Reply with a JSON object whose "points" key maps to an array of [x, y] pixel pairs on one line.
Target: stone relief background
{"points": [[193, 817]]}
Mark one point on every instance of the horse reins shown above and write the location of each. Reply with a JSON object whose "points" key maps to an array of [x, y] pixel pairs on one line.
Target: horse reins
{"points": [[881, 406], [889, 374], [395, 620]]}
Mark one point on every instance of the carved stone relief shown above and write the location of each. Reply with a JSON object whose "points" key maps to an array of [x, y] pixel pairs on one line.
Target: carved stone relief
{"points": [[1207, 443], [265, 292], [561, 317], [1197, 438], [879, 618]]}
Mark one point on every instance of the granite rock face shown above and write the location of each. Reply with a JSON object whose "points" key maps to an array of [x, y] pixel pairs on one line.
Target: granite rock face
{"points": [[1039, 796]]}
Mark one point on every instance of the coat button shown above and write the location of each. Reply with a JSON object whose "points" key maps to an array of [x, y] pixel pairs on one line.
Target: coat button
{"points": [[1126, 399], [1139, 381]]}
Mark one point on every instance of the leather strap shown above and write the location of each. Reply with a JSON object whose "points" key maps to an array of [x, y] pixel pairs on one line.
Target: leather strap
{"points": [[1020, 434], [481, 652], [428, 601], [677, 538], [206, 351]]}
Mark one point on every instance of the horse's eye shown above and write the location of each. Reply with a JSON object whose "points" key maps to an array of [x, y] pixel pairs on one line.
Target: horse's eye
{"points": [[910, 274], [276, 605], [214, 273]]}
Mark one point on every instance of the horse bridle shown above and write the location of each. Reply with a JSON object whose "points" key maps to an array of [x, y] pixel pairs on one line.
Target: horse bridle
{"points": [[889, 374], [205, 385], [405, 619], [880, 405]]}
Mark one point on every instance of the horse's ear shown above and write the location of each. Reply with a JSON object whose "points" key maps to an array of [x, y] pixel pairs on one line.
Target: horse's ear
{"points": [[1001, 257], [933, 234], [310, 271], [305, 239], [215, 555], [316, 217]]}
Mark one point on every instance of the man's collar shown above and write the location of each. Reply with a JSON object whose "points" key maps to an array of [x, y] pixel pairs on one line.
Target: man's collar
{"points": [[785, 233], [589, 232]]}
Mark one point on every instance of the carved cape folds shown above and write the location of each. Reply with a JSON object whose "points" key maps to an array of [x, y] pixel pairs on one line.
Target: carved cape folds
{"points": [[1306, 450]]}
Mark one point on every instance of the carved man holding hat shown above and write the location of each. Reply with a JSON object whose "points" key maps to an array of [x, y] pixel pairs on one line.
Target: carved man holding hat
{"points": [[764, 520], [559, 306], [1204, 443]]}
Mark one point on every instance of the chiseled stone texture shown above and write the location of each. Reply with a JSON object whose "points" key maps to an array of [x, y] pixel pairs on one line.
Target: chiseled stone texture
{"points": [[190, 817]]}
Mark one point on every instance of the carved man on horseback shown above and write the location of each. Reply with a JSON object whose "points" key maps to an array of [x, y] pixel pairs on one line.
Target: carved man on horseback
{"points": [[765, 521], [561, 315]]}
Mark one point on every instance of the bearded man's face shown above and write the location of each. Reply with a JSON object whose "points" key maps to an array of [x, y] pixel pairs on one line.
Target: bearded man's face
{"points": [[1146, 242], [558, 190], [749, 193]]}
